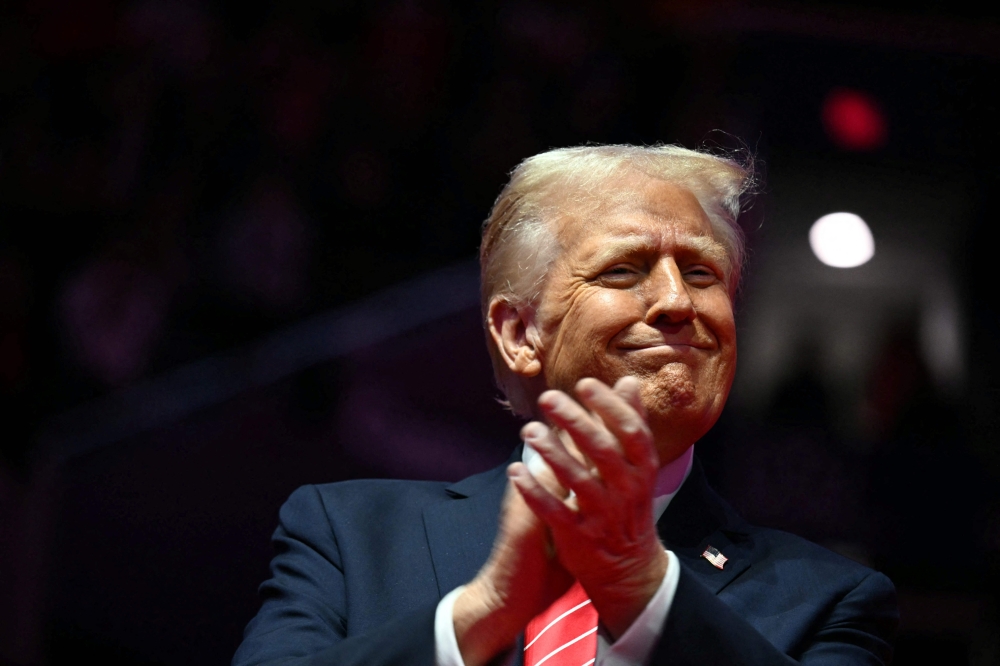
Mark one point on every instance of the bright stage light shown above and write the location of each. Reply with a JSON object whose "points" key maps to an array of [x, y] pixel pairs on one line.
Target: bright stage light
{"points": [[842, 240]]}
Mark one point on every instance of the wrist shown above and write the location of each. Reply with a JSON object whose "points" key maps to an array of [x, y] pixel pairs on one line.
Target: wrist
{"points": [[620, 603], [484, 625]]}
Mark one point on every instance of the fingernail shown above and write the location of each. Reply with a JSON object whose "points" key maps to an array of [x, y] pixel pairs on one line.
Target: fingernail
{"points": [[532, 431], [631, 382], [550, 399]]}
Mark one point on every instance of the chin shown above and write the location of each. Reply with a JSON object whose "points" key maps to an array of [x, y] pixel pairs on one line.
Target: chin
{"points": [[679, 413], [671, 388]]}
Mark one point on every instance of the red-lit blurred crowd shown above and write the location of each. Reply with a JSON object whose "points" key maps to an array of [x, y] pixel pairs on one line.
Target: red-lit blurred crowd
{"points": [[177, 176]]}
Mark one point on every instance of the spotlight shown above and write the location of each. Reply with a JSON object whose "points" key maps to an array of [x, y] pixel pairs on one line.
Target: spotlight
{"points": [[853, 120], [842, 240]]}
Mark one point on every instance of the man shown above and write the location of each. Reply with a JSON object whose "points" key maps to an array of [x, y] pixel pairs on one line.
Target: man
{"points": [[608, 281]]}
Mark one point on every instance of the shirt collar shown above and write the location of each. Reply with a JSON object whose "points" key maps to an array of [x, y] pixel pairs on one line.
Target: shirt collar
{"points": [[669, 479]]}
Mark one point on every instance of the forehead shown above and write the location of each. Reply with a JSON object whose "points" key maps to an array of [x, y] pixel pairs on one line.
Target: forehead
{"points": [[636, 206]]}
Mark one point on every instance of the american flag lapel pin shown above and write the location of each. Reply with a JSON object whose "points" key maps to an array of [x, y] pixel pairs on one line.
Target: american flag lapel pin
{"points": [[715, 558]]}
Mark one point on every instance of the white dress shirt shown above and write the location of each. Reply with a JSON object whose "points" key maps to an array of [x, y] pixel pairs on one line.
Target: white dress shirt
{"points": [[635, 645]]}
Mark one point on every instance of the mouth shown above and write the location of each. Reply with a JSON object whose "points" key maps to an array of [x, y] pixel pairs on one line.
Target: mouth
{"points": [[662, 346], [663, 352], [677, 340]]}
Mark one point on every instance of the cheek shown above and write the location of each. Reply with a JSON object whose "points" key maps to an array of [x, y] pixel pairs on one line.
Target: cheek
{"points": [[598, 316], [612, 310], [723, 367], [729, 355], [716, 312], [579, 339]]}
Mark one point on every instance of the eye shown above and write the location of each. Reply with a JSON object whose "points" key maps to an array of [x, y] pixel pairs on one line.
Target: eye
{"points": [[620, 275], [701, 275]]}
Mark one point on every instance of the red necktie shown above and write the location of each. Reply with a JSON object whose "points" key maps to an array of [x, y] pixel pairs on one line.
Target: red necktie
{"points": [[565, 634]]}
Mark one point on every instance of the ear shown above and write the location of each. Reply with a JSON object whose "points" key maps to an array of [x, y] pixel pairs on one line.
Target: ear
{"points": [[515, 335]]}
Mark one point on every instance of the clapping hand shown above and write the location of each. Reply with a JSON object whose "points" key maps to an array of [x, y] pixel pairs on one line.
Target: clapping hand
{"points": [[603, 533]]}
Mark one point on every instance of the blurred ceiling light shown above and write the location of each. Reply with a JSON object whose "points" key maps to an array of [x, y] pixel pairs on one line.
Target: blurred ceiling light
{"points": [[842, 240], [853, 120]]}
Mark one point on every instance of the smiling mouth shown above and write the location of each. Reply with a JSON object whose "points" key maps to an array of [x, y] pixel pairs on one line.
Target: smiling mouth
{"points": [[662, 345], [675, 350], [674, 339]]}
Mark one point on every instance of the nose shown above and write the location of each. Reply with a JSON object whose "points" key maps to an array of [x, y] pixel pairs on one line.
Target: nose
{"points": [[668, 296]]}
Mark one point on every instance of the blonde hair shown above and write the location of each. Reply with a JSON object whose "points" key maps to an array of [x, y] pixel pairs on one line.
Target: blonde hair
{"points": [[518, 244]]}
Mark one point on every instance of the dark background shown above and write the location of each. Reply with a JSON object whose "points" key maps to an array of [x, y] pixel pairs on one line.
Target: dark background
{"points": [[237, 251]]}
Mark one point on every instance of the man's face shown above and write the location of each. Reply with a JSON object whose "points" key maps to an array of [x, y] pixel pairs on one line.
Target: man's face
{"points": [[640, 289]]}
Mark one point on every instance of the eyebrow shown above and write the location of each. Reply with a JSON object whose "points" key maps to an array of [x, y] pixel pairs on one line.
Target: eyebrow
{"points": [[713, 249], [703, 245]]}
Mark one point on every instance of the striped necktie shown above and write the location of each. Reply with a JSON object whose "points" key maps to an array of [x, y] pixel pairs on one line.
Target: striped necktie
{"points": [[565, 634]]}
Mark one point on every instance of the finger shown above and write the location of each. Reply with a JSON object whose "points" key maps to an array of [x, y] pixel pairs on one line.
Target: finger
{"points": [[542, 503], [628, 388], [588, 433], [537, 466], [624, 422], [569, 471]]}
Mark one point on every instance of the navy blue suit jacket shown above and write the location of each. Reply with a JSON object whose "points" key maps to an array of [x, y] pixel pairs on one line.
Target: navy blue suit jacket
{"points": [[361, 566]]}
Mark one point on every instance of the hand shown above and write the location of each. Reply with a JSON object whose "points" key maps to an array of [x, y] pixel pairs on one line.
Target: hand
{"points": [[521, 579], [605, 536]]}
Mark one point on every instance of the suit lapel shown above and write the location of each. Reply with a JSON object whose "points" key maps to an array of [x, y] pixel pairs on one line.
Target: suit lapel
{"points": [[460, 530], [698, 518]]}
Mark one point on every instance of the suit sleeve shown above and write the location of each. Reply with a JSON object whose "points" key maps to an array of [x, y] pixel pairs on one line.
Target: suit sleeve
{"points": [[702, 629], [303, 615]]}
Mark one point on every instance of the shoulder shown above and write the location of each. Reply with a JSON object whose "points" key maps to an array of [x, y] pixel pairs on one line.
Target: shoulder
{"points": [[388, 495], [360, 501], [789, 557], [355, 518], [363, 497], [787, 547]]}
